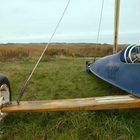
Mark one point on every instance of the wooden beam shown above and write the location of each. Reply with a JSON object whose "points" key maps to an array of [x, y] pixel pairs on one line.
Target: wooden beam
{"points": [[97, 103]]}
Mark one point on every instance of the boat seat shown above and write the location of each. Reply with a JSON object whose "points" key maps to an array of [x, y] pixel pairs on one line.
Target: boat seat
{"points": [[138, 56]]}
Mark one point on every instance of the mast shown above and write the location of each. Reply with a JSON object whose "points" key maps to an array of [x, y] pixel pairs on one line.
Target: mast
{"points": [[116, 25]]}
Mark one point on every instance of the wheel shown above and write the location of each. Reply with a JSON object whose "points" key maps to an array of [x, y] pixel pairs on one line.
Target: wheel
{"points": [[88, 63], [5, 86]]}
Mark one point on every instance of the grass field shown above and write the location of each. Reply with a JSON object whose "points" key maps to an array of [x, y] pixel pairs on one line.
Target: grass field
{"points": [[62, 78]]}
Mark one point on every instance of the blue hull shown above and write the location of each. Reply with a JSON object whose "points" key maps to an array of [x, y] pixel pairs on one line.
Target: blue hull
{"points": [[120, 74]]}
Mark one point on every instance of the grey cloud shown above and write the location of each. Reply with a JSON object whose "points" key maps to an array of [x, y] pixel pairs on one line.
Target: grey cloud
{"points": [[34, 21]]}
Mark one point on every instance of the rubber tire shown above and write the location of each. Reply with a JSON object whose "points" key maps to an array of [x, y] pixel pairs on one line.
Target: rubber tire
{"points": [[88, 67], [4, 80]]}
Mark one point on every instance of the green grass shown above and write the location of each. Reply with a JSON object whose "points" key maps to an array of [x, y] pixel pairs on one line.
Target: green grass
{"points": [[62, 79]]}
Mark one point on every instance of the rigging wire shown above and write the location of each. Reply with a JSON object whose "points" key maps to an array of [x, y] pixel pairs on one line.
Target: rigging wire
{"points": [[100, 22], [25, 85]]}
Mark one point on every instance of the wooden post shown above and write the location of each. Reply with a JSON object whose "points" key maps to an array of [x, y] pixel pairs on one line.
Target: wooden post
{"points": [[116, 25]]}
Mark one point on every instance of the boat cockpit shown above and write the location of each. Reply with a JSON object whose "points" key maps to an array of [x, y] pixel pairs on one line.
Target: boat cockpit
{"points": [[131, 54]]}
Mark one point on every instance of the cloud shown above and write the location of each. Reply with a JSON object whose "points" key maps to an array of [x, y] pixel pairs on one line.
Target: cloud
{"points": [[35, 20]]}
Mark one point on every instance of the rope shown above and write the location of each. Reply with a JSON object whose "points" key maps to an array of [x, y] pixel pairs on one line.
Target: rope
{"points": [[100, 21], [25, 85]]}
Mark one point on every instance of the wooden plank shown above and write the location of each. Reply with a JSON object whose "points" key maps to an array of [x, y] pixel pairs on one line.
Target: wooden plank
{"points": [[97, 103]]}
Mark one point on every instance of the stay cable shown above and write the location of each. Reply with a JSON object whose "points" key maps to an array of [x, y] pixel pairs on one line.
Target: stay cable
{"points": [[25, 85]]}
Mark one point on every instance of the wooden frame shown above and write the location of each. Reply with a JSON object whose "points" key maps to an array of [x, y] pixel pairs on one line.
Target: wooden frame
{"points": [[95, 103]]}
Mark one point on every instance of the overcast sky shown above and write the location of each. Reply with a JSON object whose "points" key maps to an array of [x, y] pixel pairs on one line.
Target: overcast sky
{"points": [[34, 21]]}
